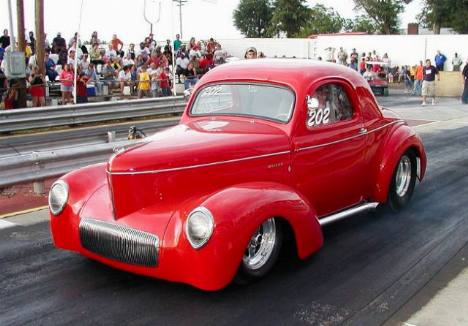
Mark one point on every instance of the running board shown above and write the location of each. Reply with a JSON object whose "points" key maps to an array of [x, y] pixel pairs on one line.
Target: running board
{"points": [[347, 213]]}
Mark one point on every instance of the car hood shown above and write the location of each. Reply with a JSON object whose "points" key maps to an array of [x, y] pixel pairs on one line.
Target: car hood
{"points": [[200, 143]]}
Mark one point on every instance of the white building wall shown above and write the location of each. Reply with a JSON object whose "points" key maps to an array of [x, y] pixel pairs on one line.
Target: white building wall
{"points": [[402, 49]]}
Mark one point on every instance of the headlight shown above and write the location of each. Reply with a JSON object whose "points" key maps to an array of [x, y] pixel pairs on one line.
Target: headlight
{"points": [[58, 196], [199, 227]]}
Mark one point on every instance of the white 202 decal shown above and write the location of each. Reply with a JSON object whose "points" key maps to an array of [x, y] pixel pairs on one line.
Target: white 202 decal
{"points": [[318, 117]]}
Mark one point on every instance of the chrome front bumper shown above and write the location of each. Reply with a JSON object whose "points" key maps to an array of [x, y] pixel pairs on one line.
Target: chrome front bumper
{"points": [[119, 242]]}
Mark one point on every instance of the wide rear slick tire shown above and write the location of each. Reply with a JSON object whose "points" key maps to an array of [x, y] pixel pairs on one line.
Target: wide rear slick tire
{"points": [[261, 253], [403, 182]]}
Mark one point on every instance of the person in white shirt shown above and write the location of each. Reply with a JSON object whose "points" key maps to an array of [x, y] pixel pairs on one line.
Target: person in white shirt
{"points": [[125, 78], [182, 64], [127, 61], [71, 58], [110, 52]]}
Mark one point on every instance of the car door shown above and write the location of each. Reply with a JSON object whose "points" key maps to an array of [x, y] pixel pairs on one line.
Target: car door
{"points": [[329, 158]]}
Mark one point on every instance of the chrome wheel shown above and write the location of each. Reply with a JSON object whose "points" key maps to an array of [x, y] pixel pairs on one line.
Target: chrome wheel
{"points": [[403, 176], [261, 245]]}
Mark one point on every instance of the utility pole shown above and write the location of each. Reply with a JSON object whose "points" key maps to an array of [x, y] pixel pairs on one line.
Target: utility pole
{"points": [[40, 37], [180, 3], [21, 47]]}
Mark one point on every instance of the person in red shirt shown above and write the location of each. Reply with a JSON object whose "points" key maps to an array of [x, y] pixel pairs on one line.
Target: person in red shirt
{"points": [[81, 89], [116, 42], [205, 64], [165, 83]]}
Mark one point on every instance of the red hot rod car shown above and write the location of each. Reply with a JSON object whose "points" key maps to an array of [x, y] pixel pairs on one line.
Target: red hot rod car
{"points": [[264, 146]]}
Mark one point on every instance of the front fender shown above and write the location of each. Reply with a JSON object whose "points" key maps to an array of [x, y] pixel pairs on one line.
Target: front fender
{"points": [[399, 141], [238, 211]]}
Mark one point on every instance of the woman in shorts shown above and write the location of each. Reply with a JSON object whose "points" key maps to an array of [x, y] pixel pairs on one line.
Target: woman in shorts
{"points": [[66, 80]]}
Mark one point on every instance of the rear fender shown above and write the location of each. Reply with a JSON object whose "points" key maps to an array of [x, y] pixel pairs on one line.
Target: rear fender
{"points": [[402, 139]]}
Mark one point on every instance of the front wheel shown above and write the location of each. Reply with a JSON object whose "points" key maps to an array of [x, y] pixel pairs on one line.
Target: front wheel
{"points": [[261, 253], [403, 182]]}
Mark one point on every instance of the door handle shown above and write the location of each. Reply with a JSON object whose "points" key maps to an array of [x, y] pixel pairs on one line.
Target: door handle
{"points": [[363, 131]]}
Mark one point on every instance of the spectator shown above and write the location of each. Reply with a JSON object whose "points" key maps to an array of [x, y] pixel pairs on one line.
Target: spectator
{"points": [[32, 42], [51, 73], [143, 82], [408, 80], [5, 39], [154, 72], [128, 61], [465, 80], [93, 77], [3, 84], [251, 53], [220, 55], [95, 55], [116, 64], [168, 47], [58, 44], [181, 65], [81, 88], [362, 66], [428, 86], [73, 40], [418, 79], [111, 53], [354, 58], [117, 44], [192, 43], [94, 39], [71, 58], [210, 47], [125, 78], [440, 61], [46, 43], [205, 64], [456, 62], [190, 76], [108, 74], [342, 57], [368, 74], [37, 89], [11, 97], [143, 51], [131, 51], [84, 63], [177, 43], [66, 79], [165, 83]]}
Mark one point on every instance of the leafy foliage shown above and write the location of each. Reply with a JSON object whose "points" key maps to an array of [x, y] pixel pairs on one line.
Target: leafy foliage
{"points": [[361, 23], [445, 13], [253, 17], [383, 12], [288, 17], [322, 20]]}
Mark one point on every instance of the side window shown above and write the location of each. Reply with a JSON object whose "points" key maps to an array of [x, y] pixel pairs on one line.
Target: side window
{"points": [[329, 104]]}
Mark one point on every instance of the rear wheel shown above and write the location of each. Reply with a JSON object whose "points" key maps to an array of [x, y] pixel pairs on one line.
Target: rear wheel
{"points": [[403, 182], [261, 253]]}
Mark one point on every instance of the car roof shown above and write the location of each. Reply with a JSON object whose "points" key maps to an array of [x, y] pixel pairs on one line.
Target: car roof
{"points": [[296, 73]]}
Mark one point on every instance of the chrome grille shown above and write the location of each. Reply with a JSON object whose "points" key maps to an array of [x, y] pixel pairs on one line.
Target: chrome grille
{"points": [[119, 242]]}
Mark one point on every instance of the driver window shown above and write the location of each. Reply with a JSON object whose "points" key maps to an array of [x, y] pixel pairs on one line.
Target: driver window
{"points": [[327, 105]]}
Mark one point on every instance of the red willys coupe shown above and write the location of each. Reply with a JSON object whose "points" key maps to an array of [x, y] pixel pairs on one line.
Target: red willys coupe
{"points": [[264, 146]]}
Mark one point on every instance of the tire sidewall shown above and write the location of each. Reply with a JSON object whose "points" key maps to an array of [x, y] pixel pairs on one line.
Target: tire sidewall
{"points": [[395, 201], [247, 275]]}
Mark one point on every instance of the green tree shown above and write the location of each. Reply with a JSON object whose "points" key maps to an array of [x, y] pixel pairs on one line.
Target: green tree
{"points": [[253, 17], [321, 20], [361, 23], [445, 13], [288, 17], [383, 12]]}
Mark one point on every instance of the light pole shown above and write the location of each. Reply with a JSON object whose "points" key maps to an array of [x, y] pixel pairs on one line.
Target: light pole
{"points": [[180, 3]]}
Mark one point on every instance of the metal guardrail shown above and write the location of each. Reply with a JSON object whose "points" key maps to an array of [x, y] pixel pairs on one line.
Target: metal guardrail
{"points": [[27, 119], [38, 166]]}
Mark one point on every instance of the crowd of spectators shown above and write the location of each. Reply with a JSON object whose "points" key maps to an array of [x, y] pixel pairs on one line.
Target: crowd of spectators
{"points": [[145, 70]]}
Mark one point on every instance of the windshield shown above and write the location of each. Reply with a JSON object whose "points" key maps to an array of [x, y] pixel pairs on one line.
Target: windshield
{"points": [[257, 100]]}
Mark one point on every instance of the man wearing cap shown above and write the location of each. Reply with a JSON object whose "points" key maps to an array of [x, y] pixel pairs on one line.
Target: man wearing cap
{"points": [[251, 53]]}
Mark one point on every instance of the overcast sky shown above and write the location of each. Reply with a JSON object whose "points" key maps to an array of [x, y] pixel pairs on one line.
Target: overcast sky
{"points": [[201, 18]]}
